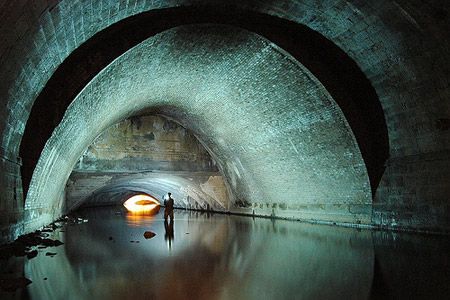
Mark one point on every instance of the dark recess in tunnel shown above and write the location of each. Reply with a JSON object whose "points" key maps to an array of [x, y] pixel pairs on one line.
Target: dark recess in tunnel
{"points": [[339, 74]]}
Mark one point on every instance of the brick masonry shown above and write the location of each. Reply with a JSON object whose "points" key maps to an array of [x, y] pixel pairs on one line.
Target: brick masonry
{"points": [[303, 162], [401, 46]]}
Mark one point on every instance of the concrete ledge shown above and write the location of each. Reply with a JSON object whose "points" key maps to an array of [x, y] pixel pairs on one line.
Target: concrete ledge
{"points": [[372, 226]]}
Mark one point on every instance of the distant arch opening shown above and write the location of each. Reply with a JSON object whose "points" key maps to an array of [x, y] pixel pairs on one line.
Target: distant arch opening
{"points": [[146, 154]]}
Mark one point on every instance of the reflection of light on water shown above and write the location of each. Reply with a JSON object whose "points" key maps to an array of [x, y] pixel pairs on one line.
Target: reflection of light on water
{"points": [[142, 203], [141, 218]]}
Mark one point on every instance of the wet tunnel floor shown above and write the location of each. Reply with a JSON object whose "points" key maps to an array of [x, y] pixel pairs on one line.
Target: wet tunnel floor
{"points": [[231, 257]]}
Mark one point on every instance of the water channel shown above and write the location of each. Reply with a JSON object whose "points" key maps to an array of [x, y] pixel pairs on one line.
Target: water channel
{"points": [[217, 256]]}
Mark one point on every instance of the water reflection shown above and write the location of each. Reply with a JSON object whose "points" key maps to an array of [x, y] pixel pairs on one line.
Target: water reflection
{"points": [[168, 236], [138, 219], [227, 257]]}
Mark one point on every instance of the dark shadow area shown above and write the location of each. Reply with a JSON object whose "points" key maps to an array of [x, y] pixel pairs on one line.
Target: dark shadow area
{"points": [[410, 266], [334, 68], [380, 288]]}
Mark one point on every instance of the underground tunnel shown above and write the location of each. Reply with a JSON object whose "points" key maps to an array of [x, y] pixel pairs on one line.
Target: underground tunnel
{"points": [[304, 145]]}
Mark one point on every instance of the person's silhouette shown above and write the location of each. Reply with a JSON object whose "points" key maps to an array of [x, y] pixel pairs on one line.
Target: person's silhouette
{"points": [[168, 207]]}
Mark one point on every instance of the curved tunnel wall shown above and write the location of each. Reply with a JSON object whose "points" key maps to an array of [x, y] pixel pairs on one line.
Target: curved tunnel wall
{"points": [[219, 82], [334, 69], [401, 47]]}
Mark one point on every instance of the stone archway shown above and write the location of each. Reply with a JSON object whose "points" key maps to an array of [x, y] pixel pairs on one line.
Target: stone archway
{"points": [[282, 143]]}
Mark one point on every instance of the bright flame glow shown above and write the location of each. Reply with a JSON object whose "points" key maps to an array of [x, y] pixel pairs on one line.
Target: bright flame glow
{"points": [[141, 203]]}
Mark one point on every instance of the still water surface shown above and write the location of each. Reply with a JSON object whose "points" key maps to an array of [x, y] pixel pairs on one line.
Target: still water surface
{"points": [[206, 256]]}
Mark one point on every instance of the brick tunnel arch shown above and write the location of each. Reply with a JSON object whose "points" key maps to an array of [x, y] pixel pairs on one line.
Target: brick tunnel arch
{"points": [[151, 154], [225, 84], [154, 185], [398, 45], [340, 75]]}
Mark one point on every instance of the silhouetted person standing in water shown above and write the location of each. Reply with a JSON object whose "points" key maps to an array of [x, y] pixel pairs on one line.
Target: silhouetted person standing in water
{"points": [[168, 207]]}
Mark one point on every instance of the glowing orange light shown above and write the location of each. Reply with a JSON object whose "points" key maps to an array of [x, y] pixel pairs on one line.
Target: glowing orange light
{"points": [[141, 203]]}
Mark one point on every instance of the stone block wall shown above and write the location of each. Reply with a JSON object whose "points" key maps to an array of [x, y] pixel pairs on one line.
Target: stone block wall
{"points": [[11, 199], [414, 193], [146, 143]]}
